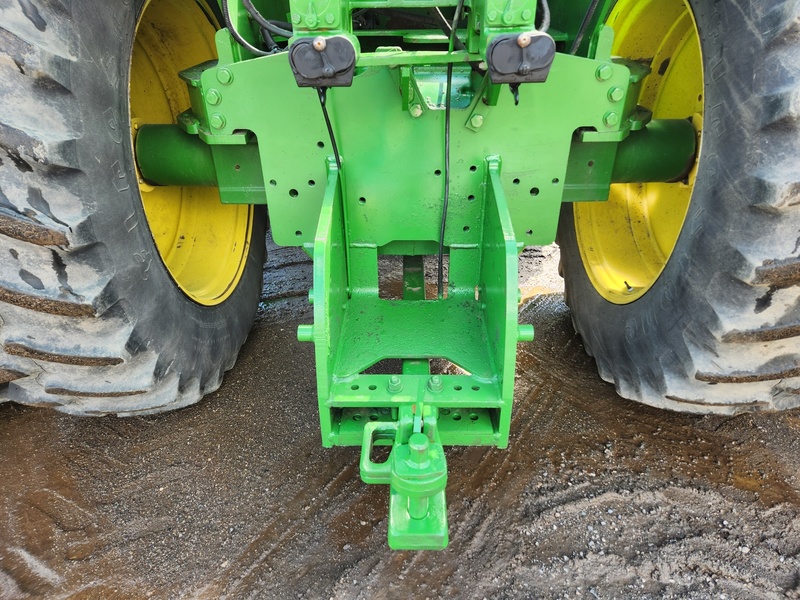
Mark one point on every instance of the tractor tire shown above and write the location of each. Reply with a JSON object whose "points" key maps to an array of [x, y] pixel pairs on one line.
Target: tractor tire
{"points": [[97, 315], [715, 327]]}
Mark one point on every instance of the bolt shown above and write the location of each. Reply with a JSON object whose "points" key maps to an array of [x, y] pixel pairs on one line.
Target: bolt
{"points": [[615, 94], [435, 384], [311, 21], [213, 97], [611, 119], [415, 110], [476, 121], [311, 296], [395, 385], [524, 40], [329, 19], [526, 15], [319, 43], [217, 121], [604, 72], [224, 76], [508, 18], [525, 333], [305, 333], [492, 16], [418, 445], [296, 19]]}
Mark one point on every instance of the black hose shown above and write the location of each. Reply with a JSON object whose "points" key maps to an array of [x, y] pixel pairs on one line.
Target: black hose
{"points": [[268, 25], [446, 201], [444, 25], [235, 34], [584, 25], [545, 24]]}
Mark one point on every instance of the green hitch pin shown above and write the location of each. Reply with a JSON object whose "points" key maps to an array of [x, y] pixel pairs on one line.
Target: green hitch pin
{"points": [[305, 333], [418, 446]]}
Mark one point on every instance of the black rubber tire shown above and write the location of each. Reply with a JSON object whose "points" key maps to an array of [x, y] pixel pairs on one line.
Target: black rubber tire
{"points": [[719, 330], [90, 320]]}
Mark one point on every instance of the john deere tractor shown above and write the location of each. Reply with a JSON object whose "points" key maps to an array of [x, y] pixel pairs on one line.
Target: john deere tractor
{"points": [[146, 142]]}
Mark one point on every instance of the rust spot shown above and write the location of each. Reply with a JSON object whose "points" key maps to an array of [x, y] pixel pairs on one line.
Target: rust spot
{"points": [[765, 334], [778, 273], [744, 377], [7, 375], [46, 305], [67, 359], [65, 392], [28, 231]]}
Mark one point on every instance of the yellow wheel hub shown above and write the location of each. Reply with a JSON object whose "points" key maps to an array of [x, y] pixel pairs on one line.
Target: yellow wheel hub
{"points": [[203, 244], [625, 243]]}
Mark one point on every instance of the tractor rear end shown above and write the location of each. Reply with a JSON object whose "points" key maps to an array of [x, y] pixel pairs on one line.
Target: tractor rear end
{"points": [[438, 139]]}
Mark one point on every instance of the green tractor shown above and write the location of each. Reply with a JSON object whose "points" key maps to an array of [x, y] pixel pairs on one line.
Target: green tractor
{"points": [[144, 142]]}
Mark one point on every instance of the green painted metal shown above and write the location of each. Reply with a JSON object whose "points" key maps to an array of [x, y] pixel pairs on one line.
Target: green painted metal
{"points": [[265, 141]]}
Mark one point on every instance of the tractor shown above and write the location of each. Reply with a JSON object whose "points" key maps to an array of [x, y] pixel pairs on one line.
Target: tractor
{"points": [[147, 146]]}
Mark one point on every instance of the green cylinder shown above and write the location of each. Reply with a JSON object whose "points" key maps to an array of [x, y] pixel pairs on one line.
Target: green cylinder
{"points": [[665, 150], [167, 155]]}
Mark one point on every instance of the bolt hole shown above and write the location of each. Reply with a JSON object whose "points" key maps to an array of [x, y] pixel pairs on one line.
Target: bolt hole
{"points": [[475, 388], [590, 163], [516, 181], [473, 168], [354, 386], [466, 228], [373, 387], [473, 417], [311, 183], [457, 388], [534, 191], [529, 232], [237, 167], [445, 411], [555, 180], [471, 197], [273, 183], [456, 417], [437, 172], [362, 200], [294, 193], [373, 417], [357, 417], [298, 233], [320, 144]]}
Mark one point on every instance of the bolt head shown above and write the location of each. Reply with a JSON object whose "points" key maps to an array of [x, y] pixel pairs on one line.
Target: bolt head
{"points": [[224, 76], [217, 121], [476, 121], [615, 94], [492, 16], [213, 97], [604, 72], [296, 19], [329, 19], [311, 21], [395, 384], [611, 119], [508, 18], [526, 15], [435, 384], [415, 110]]}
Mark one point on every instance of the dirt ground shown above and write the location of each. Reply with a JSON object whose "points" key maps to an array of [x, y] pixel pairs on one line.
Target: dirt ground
{"points": [[596, 497]]}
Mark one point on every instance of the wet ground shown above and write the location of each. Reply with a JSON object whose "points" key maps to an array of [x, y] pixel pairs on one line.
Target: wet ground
{"points": [[596, 497]]}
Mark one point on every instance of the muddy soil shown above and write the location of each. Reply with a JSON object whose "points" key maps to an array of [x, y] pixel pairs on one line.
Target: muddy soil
{"points": [[596, 497]]}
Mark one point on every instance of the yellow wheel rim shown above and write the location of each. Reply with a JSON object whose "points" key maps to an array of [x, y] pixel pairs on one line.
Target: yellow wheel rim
{"points": [[203, 244], [625, 243]]}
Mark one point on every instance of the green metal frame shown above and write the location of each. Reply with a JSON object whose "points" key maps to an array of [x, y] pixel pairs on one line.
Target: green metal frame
{"points": [[259, 137]]}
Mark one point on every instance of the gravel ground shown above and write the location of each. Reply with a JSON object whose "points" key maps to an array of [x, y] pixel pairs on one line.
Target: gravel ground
{"points": [[596, 497]]}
